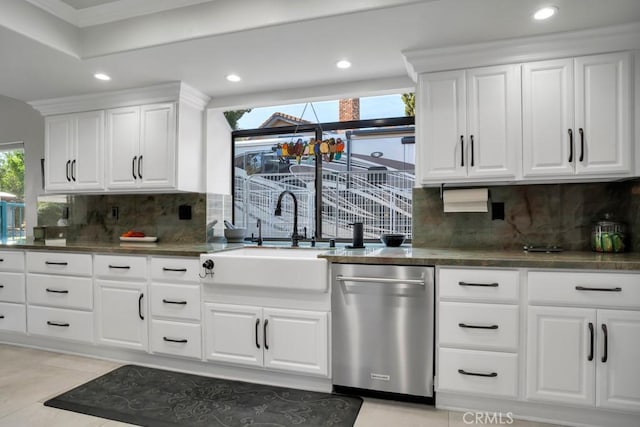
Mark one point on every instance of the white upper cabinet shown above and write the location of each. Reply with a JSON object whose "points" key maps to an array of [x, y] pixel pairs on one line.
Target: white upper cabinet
{"points": [[139, 140], [141, 146], [577, 117], [74, 152], [469, 125]]}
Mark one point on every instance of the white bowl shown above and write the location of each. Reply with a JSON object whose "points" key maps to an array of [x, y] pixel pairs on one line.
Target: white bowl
{"points": [[235, 234]]}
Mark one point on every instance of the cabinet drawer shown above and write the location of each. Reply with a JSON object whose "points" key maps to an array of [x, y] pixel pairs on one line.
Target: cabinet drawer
{"points": [[11, 261], [178, 301], [60, 291], [60, 323], [175, 269], [13, 317], [121, 267], [479, 284], [483, 326], [178, 339], [59, 263], [495, 373], [584, 289], [12, 287]]}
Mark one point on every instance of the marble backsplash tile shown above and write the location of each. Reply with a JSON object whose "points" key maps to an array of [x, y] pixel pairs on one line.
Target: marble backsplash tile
{"points": [[91, 217], [560, 214]]}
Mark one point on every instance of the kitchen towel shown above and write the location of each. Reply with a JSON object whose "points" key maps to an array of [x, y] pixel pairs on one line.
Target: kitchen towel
{"points": [[466, 200]]}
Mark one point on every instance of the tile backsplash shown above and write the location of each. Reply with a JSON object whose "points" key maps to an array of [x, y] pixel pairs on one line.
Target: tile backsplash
{"points": [[559, 214]]}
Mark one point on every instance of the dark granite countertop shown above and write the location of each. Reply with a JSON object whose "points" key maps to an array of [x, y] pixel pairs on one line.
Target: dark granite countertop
{"points": [[161, 249], [484, 258], [372, 254]]}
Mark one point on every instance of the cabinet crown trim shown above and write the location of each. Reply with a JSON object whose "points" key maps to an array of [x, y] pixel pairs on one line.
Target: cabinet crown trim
{"points": [[167, 92], [524, 49]]}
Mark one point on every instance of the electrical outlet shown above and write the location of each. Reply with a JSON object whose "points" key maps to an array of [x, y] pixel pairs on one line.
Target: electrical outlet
{"points": [[114, 212], [497, 211]]}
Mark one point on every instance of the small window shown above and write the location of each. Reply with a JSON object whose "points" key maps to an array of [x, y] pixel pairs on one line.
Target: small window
{"points": [[12, 217]]}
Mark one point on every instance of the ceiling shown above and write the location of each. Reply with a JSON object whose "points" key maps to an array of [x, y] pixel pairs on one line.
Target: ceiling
{"points": [[282, 49]]}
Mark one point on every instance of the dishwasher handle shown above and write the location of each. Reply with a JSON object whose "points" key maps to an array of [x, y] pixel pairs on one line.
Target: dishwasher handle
{"points": [[342, 278]]}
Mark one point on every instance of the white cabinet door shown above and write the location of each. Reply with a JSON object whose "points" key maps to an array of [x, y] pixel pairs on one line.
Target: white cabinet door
{"points": [[547, 118], [442, 126], [156, 166], [561, 354], [233, 333], [494, 121], [58, 152], [87, 165], [603, 114], [123, 147], [619, 373], [121, 314], [296, 340]]}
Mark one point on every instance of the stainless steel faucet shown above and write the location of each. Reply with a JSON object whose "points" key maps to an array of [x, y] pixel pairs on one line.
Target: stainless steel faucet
{"points": [[295, 237]]}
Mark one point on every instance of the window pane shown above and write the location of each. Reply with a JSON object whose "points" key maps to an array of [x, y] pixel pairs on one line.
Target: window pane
{"points": [[12, 218]]}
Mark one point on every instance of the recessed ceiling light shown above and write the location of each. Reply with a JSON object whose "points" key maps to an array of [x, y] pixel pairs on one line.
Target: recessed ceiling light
{"points": [[343, 64], [233, 78], [545, 13], [102, 76]]}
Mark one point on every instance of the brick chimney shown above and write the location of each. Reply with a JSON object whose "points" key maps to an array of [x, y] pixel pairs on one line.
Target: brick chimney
{"points": [[349, 109]]}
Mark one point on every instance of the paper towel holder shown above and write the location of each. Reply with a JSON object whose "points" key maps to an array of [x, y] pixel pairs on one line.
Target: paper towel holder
{"points": [[460, 188]]}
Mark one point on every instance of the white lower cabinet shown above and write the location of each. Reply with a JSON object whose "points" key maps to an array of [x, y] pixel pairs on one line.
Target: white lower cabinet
{"points": [[60, 323], [176, 338], [12, 317], [279, 339], [121, 314], [584, 356]]}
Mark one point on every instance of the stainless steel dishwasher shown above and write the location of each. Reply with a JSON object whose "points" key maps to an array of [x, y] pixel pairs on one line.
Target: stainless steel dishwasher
{"points": [[383, 328]]}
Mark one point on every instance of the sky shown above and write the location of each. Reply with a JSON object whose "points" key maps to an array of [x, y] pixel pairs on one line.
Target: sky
{"points": [[373, 107]]}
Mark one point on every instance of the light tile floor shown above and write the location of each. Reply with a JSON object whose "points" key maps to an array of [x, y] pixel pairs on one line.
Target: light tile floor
{"points": [[30, 377]]}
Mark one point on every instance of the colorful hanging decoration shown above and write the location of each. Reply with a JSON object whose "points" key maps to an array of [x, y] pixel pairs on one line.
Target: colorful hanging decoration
{"points": [[330, 149]]}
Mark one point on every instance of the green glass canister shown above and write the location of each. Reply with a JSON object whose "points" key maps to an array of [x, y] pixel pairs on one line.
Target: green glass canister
{"points": [[608, 235]]}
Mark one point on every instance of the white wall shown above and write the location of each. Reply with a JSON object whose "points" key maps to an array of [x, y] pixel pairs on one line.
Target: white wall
{"points": [[20, 122], [218, 147]]}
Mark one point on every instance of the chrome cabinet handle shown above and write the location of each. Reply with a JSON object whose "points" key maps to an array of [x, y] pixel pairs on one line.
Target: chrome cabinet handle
{"points": [[590, 358], [379, 280], [605, 353], [178, 340], [478, 374], [584, 288], [570, 145], [464, 325]]}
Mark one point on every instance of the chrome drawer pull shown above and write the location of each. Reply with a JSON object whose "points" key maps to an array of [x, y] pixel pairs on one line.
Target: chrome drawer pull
{"points": [[62, 325], [485, 285], [584, 288], [57, 291], [178, 270], [55, 263], [168, 301], [182, 341], [464, 325], [379, 280], [122, 267], [478, 374]]}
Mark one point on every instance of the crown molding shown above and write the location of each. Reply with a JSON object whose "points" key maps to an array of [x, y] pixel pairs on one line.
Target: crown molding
{"points": [[168, 92], [524, 49]]}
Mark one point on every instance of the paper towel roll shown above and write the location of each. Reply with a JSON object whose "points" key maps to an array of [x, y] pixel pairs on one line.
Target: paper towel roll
{"points": [[466, 200]]}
